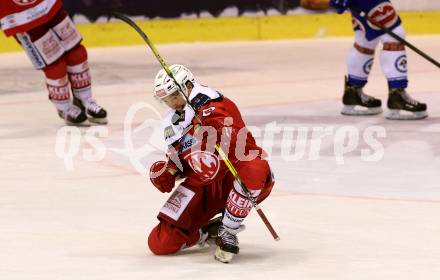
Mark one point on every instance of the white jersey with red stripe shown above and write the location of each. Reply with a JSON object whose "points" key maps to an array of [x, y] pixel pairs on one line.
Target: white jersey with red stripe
{"points": [[18, 16]]}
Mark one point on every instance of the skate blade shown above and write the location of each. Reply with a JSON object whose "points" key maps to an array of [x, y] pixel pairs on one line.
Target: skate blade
{"points": [[353, 110], [81, 124], [405, 115], [223, 256], [97, 121]]}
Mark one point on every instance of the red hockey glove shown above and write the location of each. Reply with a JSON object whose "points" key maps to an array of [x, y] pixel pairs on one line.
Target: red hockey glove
{"points": [[163, 175]]}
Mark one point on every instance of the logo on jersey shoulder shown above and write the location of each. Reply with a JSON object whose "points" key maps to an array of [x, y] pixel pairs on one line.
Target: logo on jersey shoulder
{"points": [[199, 100], [401, 64], [384, 14], [205, 164], [368, 65], [186, 143], [208, 111], [24, 2]]}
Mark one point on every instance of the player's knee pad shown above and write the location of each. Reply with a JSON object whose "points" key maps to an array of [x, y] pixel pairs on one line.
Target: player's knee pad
{"points": [[254, 173], [393, 60], [56, 70], [76, 55], [166, 240], [267, 189]]}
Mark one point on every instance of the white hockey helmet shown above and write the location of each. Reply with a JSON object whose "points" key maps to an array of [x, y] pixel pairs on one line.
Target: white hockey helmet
{"points": [[164, 85]]}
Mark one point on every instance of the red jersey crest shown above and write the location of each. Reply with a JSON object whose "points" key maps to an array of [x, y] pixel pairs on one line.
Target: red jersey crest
{"points": [[384, 14], [205, 164]]}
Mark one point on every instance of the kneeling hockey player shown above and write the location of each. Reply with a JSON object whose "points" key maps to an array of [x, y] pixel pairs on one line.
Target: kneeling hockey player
{"points": [[208, 188]]}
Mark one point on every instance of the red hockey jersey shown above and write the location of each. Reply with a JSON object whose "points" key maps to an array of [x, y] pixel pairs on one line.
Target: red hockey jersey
{"points": [[222, 122], [18, 16]]}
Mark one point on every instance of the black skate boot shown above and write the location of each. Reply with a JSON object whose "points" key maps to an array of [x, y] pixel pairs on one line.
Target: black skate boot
{"points": [[403, 107], [94, 112], [357, 103], [73, 116], [227, 243], [210, 231]]}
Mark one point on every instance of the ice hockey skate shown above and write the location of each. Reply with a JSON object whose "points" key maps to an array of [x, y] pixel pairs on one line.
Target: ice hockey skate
{"points": [[357, 103], [210, 231], [227, 243], [403, 107], [73, 116], [94, 112]]}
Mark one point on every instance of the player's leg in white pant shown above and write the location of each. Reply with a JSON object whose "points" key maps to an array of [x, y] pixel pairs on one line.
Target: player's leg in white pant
{"points": [[359, 63], [393, 61]]}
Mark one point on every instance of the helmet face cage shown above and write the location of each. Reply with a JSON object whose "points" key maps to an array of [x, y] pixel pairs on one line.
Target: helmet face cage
{"points": [[164, 85]]}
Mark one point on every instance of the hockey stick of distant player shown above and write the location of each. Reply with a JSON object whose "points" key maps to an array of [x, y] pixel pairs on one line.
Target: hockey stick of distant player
{"points": [[217, 146], [364, 15]]}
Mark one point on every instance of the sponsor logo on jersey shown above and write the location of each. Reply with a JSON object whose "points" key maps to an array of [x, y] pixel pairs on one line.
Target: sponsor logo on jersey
{"points": [[207, 112], [11, 20], [238, 205], [177, 202], [169, 132], [24, 2], [368, 65], [199, 100], [383, 14], [186, 143], [205, 164], [174, 203], [401, 64]]}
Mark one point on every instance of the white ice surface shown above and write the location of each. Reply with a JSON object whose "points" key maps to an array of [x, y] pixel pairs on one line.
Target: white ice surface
{"points": [[357, 220]]}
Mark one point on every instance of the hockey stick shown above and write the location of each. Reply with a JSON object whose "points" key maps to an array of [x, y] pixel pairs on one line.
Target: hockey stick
{"points": [[199, 120], [364, 15]]}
